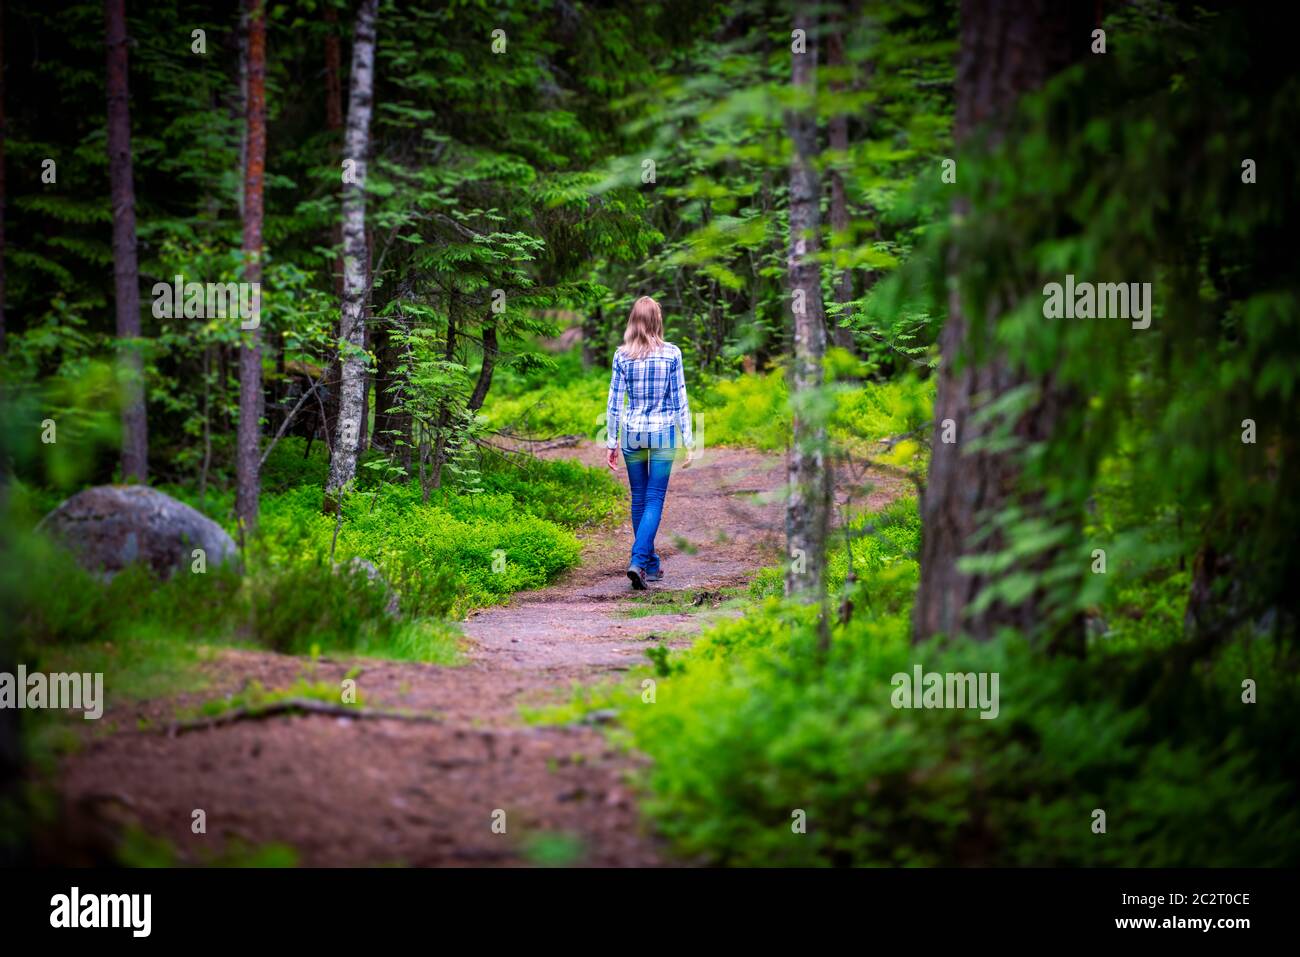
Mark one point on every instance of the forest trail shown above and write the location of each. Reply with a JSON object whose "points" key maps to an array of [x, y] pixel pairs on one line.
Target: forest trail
{"points": [[344, 791]]}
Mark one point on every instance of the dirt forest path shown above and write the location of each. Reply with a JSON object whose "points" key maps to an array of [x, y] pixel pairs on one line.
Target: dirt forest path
{"points": [[343, 791]]}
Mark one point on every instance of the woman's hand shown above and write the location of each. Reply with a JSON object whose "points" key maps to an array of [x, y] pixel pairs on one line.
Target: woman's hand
{"points": [[611, 459]]}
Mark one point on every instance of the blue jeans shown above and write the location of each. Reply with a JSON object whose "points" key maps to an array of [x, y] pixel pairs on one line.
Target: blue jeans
{"points": [[649, 458]]}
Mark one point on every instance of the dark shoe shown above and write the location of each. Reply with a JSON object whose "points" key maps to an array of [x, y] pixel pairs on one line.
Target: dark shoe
{"points": [[637, 576], [654, 576]]}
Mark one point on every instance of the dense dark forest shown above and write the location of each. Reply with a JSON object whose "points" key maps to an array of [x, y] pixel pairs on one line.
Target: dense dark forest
{"points": [[989, 316]]}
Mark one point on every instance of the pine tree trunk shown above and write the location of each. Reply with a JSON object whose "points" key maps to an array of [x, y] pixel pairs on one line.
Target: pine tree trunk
{"points": [[593, 328], [343, 463], [126, 272], [3, 327], [388, 417], [838, 130], [334, 123], [484, 382], [243, 102], [333, 86], [807, 511], [1008, 48], [367, 343], [249, 437], [442, 424]]}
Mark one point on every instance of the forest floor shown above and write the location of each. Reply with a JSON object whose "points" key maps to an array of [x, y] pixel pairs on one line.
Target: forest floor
{"points": [[377, 791]]}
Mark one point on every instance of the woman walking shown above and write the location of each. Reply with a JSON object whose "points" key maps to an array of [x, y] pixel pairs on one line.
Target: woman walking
{"points": [[648, 372]]}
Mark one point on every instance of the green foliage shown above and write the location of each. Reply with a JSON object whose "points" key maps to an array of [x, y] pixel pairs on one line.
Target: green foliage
{"points": [[714, 126], [753, 410], [145, 630], [574, 407], [1132, 171], [445, 550], [750, 725], [506, 200], [747, 410], [558, 490]]}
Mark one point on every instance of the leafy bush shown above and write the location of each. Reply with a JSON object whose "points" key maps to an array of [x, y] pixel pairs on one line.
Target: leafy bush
{"points": [[574, 407], [753, 410], [308, 603], [748, 410], [454, 541], [293, 463], [562, 491]]}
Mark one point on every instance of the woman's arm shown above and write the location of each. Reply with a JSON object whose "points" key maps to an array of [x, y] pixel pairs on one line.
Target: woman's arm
{"points": [[614, 407], [683, 407]]}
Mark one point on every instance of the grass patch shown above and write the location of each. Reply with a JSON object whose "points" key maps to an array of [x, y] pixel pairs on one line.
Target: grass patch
{"points": [[687, 601], [140, 849]]}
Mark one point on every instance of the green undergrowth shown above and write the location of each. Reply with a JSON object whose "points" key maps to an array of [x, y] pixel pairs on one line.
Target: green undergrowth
{"points": [[752, 729], [745, 410], [458, 551]]}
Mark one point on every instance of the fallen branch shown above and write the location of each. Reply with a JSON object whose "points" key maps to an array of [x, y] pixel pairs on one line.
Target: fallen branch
{"points": [[556, 442], [538, 445], [294, 706], [890, 441], [288, 421]]}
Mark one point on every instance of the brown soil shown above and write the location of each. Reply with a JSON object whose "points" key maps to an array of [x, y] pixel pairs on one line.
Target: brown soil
{"points": [[343, 791]]}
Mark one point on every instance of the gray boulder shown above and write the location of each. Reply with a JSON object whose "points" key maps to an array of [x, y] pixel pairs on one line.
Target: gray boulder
{"points": [[111, 526]]}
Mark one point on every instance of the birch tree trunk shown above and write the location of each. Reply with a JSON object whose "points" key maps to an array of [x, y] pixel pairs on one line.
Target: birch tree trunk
{"points": [[807, 510], [126, 272], [248, 441], [1008, 48], [343, 462]]}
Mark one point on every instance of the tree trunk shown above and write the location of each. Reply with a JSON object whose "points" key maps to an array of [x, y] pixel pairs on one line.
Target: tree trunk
{"points": [[593, 328], [243, 102], [248, 447], [423, 458], [333, 87], [443, 423], [126, 272], [334, 123], [1008, 48], [343, 463], [3, 327], [807, 511], [485, 371], [363, 438], [838, 128], [388, 417]]}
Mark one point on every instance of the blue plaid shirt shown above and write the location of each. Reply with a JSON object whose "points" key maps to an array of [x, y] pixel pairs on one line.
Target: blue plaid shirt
{"points": [[656, 391]]}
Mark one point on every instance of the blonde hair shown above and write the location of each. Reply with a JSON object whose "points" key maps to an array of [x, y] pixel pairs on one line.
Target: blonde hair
{"points": [[645, 329]]}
